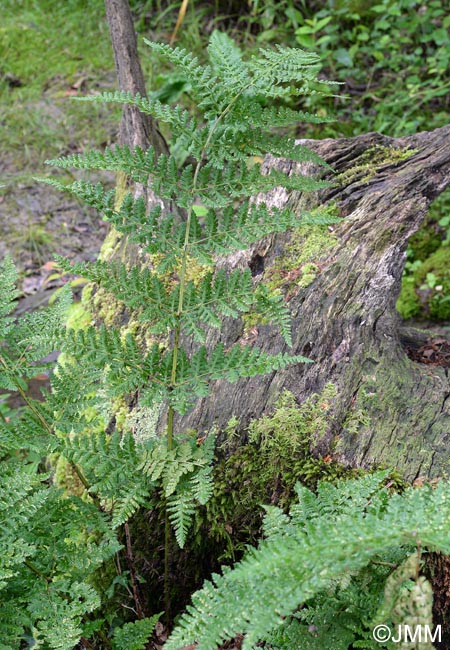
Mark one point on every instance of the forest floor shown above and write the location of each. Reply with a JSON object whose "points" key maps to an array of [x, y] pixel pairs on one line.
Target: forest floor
{"points": [[44, 64]]}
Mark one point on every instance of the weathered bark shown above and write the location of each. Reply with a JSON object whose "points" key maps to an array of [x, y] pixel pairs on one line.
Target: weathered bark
{"points": [[388, 410], [136, 129]]}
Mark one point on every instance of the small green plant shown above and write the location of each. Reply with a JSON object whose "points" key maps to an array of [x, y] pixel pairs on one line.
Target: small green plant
{"points": [[426, 279], [388, 38], [52, 546], [342, 562]]}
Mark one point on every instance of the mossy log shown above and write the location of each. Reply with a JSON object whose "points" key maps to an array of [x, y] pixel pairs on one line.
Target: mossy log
{"points": [[342, 286], [388, 410]]}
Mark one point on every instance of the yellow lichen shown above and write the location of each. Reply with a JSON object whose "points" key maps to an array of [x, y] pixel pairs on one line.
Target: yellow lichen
{"points": [[298, 266], [371, 160]]}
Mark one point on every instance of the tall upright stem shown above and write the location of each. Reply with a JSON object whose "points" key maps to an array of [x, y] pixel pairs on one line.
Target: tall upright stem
{"points": [[176, 344]]}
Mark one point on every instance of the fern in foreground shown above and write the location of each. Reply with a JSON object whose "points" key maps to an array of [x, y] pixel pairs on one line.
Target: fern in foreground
{"points": [[321, 577], [55, 542], [212, 214]]}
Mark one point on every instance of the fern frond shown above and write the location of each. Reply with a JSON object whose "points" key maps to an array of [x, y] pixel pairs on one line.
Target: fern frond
{"points": [[93, 195], [124, 368], [227, 62], [111, 466], [237, 229], [134, 636], [216, 296], [286, 571], [8, 294], [59, 619], [179, 119], [275, 70], [41, 332], [271, 117], [194, 374], [273, 308], [136, 162], [201, 78]]}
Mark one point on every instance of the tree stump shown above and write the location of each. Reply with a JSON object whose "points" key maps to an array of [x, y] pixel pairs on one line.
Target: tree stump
{"points": [[388, 409]]}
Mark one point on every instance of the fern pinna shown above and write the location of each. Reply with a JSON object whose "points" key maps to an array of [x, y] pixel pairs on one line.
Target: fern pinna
{"points": [[213, 214]]}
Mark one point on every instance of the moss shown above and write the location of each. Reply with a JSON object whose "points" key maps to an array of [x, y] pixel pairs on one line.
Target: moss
{"points": [[357, 416], [309, 274], [299, 265], [425, 242], [385, 396], [265, 471], [370, 161], [433, 279], [408, 303]]}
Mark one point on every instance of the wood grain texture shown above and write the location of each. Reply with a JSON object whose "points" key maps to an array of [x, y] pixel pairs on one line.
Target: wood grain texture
{"points": [[346, 319]]}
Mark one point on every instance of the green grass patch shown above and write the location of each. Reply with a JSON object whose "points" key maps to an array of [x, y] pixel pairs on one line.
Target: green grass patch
{"points": [[51, 51]]}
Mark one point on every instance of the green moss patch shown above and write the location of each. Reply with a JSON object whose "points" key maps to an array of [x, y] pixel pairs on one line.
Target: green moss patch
{"points": [[370, 161], [265, 470], [299, 265]]}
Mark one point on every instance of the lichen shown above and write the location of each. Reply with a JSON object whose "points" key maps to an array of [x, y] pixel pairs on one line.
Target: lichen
{"points": [[299, 265], [371, 160], [111, 244], [120, 410], [78, 317], [106, 307], [65, 476], [142, 422]]}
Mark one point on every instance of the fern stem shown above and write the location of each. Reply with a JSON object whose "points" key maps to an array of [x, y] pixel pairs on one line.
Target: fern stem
{"points": [[177, 331], [184, 259], [35, 570], [132, 566]]}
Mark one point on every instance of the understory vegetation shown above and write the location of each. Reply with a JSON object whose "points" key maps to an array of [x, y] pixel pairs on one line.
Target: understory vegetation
{"points": [[112, 517]]}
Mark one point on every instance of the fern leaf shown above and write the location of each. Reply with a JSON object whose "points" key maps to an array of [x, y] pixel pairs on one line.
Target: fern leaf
{"points": [[134, 636], [181, 509], [227, 62], [180, 120], [273, 581], [8, 294]]}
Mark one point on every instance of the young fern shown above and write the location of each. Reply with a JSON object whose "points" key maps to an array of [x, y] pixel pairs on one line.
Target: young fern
{"points": [[213, 214]]}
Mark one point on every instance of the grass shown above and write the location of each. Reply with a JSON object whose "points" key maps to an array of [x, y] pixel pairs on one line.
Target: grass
{"points": [[51, 50]]}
